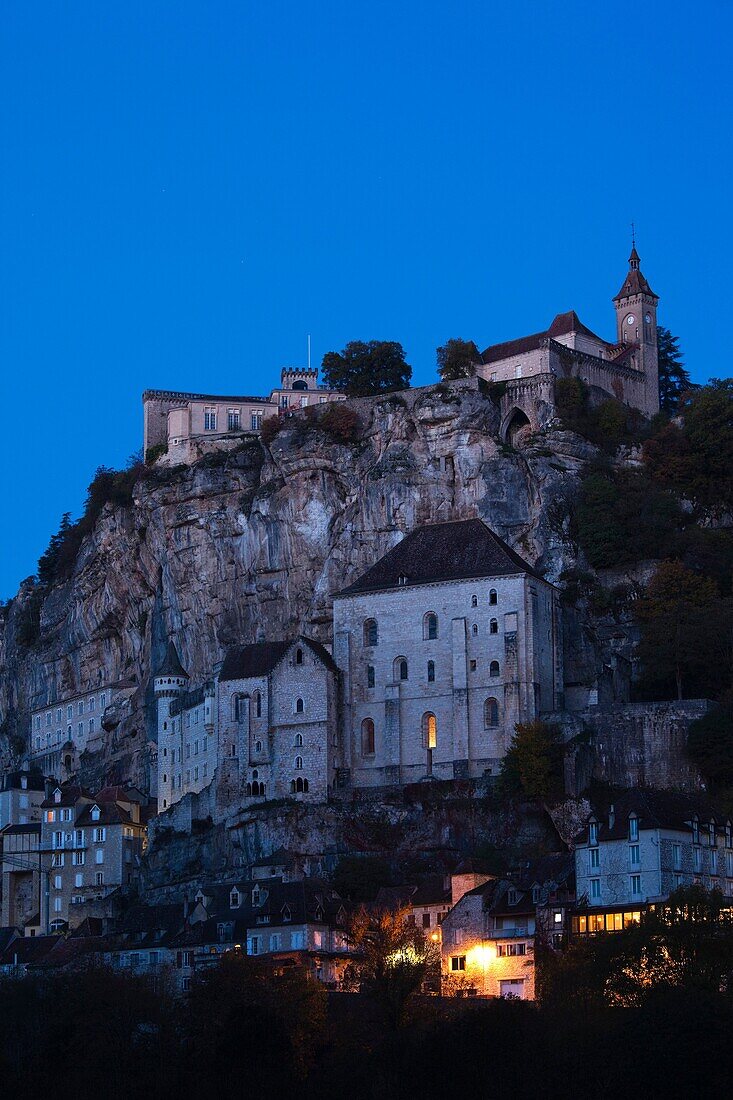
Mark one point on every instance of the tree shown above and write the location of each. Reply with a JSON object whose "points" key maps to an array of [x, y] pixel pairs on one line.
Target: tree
{"points": [[621, 517], [457, 359], [683, 627], [674, 380], [359, 878], [395, 957], [533, 764], [367, 369], [710, 744]]}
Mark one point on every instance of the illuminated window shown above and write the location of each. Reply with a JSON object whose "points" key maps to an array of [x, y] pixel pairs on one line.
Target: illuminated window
{"points": [[429, 730]]}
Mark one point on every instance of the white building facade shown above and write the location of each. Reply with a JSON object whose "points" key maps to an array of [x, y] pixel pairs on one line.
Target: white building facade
{"points": [[444, 645]]}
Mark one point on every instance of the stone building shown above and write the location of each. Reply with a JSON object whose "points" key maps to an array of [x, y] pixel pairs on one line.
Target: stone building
{"points": [[267, 725], [60, 731], [646, 845], [21, 795], [90, 846], [626, 368], [443, 645], [20, 870], [176, 421]]}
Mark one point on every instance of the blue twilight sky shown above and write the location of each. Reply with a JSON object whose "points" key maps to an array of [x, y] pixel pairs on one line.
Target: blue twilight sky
{"points": [[187, 189]]}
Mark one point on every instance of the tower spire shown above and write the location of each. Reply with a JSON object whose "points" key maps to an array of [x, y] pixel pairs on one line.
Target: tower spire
{"points": [[634, 260]]}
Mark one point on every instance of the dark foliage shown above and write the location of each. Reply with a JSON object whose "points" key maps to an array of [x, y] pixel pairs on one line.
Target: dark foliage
{"points": [[608, 424], [457, 359], [710, 745], [674, 381], [366, 369], [271, 425], [533, 765], [621, 517], [358, 878]]}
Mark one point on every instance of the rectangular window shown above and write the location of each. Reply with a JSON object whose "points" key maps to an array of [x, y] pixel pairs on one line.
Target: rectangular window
{"points": [[102, 701], [233, 420], [99, 878], [697, 859], [254, 945], [595, 889], [677, 857], [100, 835], [57, 905], [729, 864], [57, 882], [595, 858], [426, 920], [99, 855], [78, 880], [593, 833], [636, 886], [297, 941], [79, 859], [633, 828], [92, 702], [508, 950], [275, 941], [457, 963], [634, 856], [209, 419], [255, 421], [205, 770], [370, 676]]}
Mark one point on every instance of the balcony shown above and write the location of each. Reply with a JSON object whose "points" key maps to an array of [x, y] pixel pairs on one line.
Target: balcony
{"points": [[520, 932]]}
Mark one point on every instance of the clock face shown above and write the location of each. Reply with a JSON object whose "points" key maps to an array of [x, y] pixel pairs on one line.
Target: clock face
{"points": [[648, 318], [630, 319]]}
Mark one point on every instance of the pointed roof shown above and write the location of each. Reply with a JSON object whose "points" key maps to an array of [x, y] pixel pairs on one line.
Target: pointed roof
{"points": [[171, 664], [456, 550], [259, 659], [562, 324], [635, 283]]}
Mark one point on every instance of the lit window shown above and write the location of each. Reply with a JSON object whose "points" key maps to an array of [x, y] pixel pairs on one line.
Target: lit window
{"points": [[429, 730], [457, 962]]}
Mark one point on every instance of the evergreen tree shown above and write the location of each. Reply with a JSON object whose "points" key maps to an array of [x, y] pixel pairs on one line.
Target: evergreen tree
{"points": [[674, 380], [457, 359]]}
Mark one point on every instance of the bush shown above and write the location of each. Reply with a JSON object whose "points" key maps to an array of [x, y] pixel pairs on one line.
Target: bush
{"points": [[153, 453], [622, 518], [340, 422], [608, 424], [271, 425], [710, 745]]}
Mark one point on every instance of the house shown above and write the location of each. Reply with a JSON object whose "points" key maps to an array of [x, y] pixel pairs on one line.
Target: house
{"points": [[21, 795], [643, 846]]}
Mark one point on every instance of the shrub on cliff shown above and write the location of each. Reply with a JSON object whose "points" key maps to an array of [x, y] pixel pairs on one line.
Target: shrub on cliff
{"points": [[271, 425], [457, 359], [340, 422], [533, 765], [621, 518], [608, 424], [710, 744]]}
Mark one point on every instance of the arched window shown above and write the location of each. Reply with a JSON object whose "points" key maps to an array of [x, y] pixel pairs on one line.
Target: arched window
{"points": [[430, 626], [371, 633], [399, 670], [299, 785], [299, 706], [298, 740], [429, 730], [431, 672], [494, 626], [299, 656], [492, 596], [238, 706], [367, 737], [258, 704], [474, 629], [474, 601], [370, 676], [494, 669], [299, 763], [491, 713]]}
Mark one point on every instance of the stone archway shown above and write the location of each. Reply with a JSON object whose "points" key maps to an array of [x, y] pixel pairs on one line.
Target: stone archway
{"points": [[513, 424]]}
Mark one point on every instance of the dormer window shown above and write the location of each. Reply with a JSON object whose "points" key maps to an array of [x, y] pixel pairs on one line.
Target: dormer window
{"points": [[535, 895], [23, 783], [319, 914], [593, 833], [256, 896], [402, 579], [234, 899], [712, 835], [57, 795], [695, 832], [286, 914], [511, 896], [95, 813], [633, 827]]}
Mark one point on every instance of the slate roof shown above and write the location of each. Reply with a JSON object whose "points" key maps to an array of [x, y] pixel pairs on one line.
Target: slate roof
{"points": [[11, 781], [634, 283], [110, 813], [562, 324], [70, 795], [245, 661], [28, 949], [171, 663], [456, 550], [188, 699], [654, 809], [29, 827]]}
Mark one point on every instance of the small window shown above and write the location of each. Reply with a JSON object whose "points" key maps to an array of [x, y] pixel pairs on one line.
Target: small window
{"points": [[299, 763], [474, 629], [258, 746], [370, 676], [494, 626], [429, 730], [431, 672], [299, 706], [474, 601], [299, 656], [367, 737], [430, 626], [491, 712], [457, 963], [633, 827], [492, 597], [371, 633], [258, 705], [494, 670], [400, 669]]}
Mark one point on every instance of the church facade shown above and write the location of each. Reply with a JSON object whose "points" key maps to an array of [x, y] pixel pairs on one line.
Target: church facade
{"points": [[440, 649], [626, 368]]}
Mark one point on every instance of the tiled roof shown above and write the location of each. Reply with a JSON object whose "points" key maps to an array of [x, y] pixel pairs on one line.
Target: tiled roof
{"points": [[12, 781], [563, 324], [654, 809], [456, 550], [634, 283], [245, 661]]}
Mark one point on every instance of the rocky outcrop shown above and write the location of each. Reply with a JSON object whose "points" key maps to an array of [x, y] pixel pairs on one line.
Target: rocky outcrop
{"points": [[251, 543]]}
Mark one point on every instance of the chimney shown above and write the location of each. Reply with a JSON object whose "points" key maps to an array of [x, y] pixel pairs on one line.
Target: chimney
{"points": [[611, 816]]}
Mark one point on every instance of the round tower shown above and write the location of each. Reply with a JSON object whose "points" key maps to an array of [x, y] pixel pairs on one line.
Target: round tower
{"points": [[170, 682]]}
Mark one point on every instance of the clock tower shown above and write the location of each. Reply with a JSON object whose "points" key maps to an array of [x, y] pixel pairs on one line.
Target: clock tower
{"points": [[636, 325]]}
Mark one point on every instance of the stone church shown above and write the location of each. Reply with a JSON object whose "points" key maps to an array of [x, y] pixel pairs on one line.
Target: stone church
{"points": [[439, 650], [626, 369]]}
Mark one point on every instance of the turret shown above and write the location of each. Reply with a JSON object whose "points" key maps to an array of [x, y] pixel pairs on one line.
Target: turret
{"points": [[170, 682]]}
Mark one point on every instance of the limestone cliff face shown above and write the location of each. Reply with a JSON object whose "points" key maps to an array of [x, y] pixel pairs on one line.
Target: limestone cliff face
{"points": [[252, 543]]}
